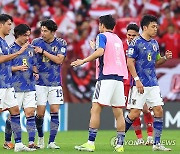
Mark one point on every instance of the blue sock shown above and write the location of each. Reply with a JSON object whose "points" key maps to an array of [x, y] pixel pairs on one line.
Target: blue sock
{"points": [[8, 130], [128, 123], [158, 125], [39, 125], [120, 137], [53, 126], [92, 134], [16, 127], [31, 128]]}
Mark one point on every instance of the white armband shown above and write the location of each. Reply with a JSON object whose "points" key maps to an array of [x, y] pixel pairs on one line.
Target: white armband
{"points": [[136, 78]]}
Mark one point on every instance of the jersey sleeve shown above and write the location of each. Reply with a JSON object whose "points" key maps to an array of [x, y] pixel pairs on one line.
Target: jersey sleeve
{"points": [[1, 52], [132, 50], [158, 56], [101, 41], [62, 47]]}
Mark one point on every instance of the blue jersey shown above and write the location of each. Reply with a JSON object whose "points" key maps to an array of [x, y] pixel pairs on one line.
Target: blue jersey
{"points": [[23, 81], [101, 41], [5, 68], [49, 71], [145, 52]]}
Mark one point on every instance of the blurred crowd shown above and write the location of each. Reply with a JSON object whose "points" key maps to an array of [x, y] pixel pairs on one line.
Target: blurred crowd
{"points": [[77, 19]]}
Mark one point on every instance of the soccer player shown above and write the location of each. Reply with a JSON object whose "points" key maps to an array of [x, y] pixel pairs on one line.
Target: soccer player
{"points": [[111, 69], [143, 54], [132, 32], [7, 96], [51, 52], [23, 78]]}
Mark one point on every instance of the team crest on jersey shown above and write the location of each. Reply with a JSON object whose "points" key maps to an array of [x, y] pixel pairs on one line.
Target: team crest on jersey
{"points": [[63, 50], [130, 51], [30, 52], [154, 47], [54, 49]]}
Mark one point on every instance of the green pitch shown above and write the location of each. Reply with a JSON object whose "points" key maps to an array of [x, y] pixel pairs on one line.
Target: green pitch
{"points": [[67, 141]]}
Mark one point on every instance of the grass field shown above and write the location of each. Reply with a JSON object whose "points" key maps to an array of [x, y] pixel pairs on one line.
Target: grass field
{"points": [[67, 141]]}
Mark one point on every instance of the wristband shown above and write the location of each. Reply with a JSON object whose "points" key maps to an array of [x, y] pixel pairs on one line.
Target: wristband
{"points": [[165, 58], [35, 72], [136, 78], [42, 51]]}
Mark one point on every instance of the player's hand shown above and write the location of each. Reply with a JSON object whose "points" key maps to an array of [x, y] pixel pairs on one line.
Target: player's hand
{"points": [[78, 62], [36, 75], [23, 68], [92, 44], [38, 50], [168, 54], [140, 87], [23, 48]]}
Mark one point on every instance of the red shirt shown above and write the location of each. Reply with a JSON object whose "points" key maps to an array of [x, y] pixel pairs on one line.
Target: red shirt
{"points": [[127, 81]]}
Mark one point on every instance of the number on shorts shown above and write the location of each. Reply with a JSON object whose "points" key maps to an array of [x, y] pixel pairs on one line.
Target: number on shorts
{"points": [[14, 94], [35, 97], [59, 93]]}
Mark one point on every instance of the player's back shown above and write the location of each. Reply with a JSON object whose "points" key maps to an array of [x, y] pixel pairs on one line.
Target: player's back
{"points": [[113, 61], [145, 52]]}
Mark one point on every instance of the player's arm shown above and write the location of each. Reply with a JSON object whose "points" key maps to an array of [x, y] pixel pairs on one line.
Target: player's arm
{"points": [[100, 46], [19, 68], [160, 60], [5, 58], [132, 70], [132, 55], [98, 53]]}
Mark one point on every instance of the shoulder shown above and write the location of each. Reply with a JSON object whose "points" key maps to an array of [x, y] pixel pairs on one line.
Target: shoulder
{"points": [[101, 36], [61, 41], [135, 41], [13, 45], [37, 40]]}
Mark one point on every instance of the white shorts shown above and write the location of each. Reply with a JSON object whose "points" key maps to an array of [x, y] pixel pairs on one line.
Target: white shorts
{"points": [[151, 97], [110, 93], [52, 95], [7, 98], [26, 99]]}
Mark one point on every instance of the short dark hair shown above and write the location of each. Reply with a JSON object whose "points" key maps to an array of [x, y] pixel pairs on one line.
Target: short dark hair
{"points": [[108, 21], [5, 17], [49, 24], [21, 29], [133, 27], [147, 19]]}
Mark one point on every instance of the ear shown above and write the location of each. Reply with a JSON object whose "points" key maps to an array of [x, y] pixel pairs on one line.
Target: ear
{"points": [[1, 25], [144, 27]]}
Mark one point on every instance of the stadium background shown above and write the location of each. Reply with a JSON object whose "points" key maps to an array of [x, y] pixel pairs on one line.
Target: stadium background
{"points": [[78, 23]]}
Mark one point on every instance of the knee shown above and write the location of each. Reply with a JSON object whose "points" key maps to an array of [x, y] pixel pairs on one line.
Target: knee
{"points": [[94, 110], [158, 111], [29, 113], [40, 115], [134, 113], [14, 110]]}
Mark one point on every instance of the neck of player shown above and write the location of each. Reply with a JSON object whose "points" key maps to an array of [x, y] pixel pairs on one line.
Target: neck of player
{"points": [[2, 35], [51, 39], [146, 36], [19, 42]]}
